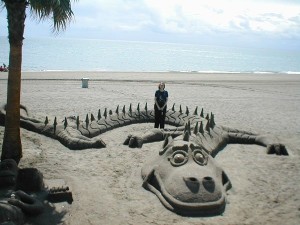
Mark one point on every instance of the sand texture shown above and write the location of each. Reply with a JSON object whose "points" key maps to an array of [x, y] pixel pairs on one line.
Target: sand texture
{"points": [[106, 183]]}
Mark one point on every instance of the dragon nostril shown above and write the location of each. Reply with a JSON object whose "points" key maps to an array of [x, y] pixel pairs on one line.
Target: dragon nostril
{"points": [[192, 183], [209, 184], [193, 179], [207, 178]]}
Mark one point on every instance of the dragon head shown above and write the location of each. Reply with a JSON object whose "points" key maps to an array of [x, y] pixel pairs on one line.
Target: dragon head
{"points": [[186, 179]]}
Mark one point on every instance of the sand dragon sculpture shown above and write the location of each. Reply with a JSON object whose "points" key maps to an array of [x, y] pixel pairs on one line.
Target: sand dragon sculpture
{"points": [[185, 176]]}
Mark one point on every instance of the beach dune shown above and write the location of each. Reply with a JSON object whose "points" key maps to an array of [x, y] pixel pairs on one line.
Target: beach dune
{"points": [[106, 183]]}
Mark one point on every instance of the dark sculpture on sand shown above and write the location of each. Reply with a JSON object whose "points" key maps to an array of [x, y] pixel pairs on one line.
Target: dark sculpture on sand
{"points": [[22, 193], [184, 176], [15, 184]]}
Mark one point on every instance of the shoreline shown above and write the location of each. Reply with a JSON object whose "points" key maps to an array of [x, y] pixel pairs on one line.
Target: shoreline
{"points": [[151, 76]]}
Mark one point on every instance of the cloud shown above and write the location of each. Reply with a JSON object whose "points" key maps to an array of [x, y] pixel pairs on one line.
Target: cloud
{"points": [[112, 15], [192, 19], [192, 16]]}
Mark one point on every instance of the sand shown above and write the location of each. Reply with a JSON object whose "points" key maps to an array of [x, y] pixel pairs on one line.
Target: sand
{"points": [[106, 183]]}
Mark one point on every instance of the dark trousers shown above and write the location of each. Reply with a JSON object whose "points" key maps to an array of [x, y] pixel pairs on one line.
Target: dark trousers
{"points": [[160, 116]]}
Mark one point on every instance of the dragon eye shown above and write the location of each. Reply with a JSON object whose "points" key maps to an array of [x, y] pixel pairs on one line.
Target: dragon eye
{"points": [[179, 158], [199, 157]]}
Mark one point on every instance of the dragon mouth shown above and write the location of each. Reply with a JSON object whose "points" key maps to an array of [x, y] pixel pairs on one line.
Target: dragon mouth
{"points": [[154, 183]]}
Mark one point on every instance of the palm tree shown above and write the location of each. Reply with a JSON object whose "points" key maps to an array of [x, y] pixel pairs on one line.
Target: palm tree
{"points": [[61, 13]]}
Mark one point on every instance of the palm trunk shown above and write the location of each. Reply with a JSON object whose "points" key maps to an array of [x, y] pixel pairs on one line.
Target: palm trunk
{"points": [[12, 146]]}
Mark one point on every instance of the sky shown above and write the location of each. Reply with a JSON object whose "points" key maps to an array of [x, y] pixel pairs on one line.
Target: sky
{"points": [[262, 23]]}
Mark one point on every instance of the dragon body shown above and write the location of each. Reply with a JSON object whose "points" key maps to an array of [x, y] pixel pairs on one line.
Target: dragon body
{"points": [[184, 175]]}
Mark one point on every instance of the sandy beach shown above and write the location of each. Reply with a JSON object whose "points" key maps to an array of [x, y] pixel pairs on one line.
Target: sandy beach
{"points": [[106, 183]]}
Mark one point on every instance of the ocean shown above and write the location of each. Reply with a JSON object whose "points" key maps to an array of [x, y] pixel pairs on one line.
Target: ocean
{"points": [[58, 54]]}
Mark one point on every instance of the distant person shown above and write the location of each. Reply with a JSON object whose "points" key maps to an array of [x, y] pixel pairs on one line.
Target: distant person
{"points": [[160, 106]]}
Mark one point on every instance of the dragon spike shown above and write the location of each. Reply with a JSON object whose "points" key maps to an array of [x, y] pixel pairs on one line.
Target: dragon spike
{"points": [[87, 120], [201, 130], [117, 110], [185, 128], [207, 128], [196, 129], [105, 113], [202, 114], [46, 121], [77, 122], [212, 120], [123, 110], [92, 117], [66, 123], [173, 107], [110, 112], [180, 110], [207, 116], [99, 114], [138, 107], [186, 136], [187, 112], [130, 108], [54, 125], [196, 111], [166, 140]]}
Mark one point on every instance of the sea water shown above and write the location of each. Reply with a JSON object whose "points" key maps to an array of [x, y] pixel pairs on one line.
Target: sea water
{"points": [[47, 54]]}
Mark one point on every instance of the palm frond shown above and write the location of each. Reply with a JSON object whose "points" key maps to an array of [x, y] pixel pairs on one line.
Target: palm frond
{"points": [[59, 11]]}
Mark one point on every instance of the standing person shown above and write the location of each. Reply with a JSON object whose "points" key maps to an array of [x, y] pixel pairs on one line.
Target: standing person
{"points": [[160, 106]]}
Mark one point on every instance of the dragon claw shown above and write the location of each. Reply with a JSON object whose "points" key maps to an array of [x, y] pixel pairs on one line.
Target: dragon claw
{"points": [[277, 148], [134, 141]]}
